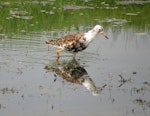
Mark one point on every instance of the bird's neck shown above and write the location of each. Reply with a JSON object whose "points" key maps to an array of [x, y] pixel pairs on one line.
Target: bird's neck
{"points": [[90, 35]]}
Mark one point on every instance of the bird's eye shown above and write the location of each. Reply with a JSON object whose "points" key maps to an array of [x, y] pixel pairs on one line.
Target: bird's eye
{"points": [[100, 30]]}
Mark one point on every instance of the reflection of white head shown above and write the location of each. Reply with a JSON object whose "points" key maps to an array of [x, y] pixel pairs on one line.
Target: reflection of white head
{"points": [[90, 85]]}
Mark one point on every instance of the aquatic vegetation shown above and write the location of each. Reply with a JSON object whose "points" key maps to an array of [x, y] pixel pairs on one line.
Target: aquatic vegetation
{"points": [[8, 90], [142, 102], [59, 14]]}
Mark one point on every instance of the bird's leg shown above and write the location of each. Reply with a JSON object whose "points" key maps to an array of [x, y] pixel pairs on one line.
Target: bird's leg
{"points": [[74, 56], [57, 61], [57, 53]]}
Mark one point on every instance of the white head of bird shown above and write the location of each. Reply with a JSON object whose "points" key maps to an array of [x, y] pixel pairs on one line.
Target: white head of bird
{"points": [[98, 29]]}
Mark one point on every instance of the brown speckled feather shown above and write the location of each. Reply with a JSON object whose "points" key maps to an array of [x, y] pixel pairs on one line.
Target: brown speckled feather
{"points": [[66, 40], [70, 43]]}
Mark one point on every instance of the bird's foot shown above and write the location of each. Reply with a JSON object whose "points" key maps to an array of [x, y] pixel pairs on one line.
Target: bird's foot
{"points": [[57, 60]]}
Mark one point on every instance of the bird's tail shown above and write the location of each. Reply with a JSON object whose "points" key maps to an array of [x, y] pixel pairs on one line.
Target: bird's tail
{"points": [[52, 42]]}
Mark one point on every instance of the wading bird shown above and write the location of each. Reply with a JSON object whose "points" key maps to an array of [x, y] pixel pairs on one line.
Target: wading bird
{"points": [[75, 43]]}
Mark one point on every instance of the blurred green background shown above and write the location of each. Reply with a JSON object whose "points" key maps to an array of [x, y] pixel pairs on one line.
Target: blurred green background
{"points": [[38, 15]]}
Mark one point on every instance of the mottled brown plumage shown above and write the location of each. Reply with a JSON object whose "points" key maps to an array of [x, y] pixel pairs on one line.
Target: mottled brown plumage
{"points": [[67, 40]]}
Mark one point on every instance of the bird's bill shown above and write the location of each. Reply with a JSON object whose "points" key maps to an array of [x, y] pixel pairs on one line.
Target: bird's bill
{"points": [[104, 34]]}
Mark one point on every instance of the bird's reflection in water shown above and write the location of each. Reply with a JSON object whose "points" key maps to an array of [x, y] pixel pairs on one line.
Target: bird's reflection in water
{"points": [[71, 71]]}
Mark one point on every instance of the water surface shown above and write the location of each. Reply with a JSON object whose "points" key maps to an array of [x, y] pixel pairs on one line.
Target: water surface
{"points": [[117, 70]]}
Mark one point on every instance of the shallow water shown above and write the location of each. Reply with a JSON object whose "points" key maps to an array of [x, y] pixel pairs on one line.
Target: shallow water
{"points": [[117, 71]]}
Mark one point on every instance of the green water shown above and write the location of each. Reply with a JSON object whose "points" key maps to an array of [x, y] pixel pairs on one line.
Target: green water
{"points": [[27, 16]]}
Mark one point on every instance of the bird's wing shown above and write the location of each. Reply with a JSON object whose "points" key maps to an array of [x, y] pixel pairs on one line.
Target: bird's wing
{"points": [[71, 39]]}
